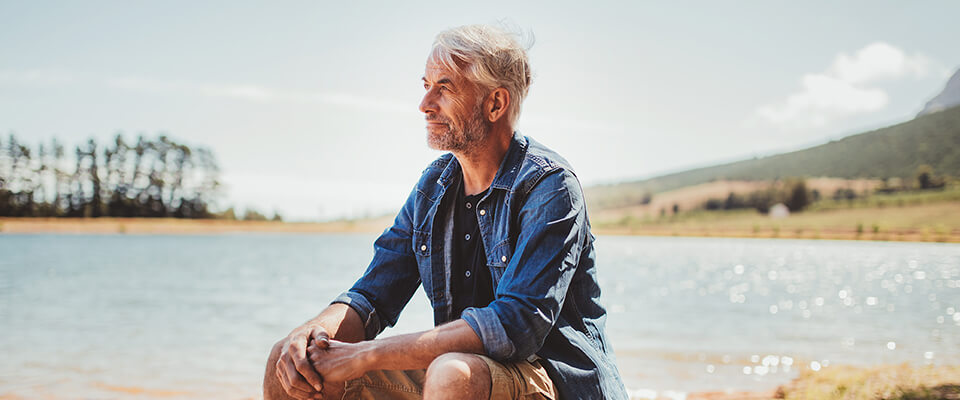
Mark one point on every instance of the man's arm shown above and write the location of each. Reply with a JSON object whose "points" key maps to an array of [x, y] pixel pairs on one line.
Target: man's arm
{"points": [[372, 304], [293, 370], [339, 361], [529, 296]]}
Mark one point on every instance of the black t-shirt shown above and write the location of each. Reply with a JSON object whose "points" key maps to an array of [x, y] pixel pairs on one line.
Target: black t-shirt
{"points": [[470, 281]]}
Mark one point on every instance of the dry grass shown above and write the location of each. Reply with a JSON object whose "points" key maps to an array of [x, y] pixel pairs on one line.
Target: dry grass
{"points": [[897, 382], [693, 197], [937, 221]]}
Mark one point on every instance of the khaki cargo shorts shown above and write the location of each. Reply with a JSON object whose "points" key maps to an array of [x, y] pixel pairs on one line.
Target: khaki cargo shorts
{"points": [[521, 380]]}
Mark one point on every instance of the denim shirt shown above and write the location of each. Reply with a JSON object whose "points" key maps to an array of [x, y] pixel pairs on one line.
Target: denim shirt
{"points": [[539, 249]]}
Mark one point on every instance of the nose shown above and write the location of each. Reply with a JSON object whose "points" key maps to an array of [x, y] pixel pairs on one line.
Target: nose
{"points": [[428, 105]]}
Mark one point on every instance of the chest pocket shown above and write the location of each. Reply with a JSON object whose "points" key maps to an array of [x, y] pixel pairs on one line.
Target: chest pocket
{"points": [[498, 259], [422, 248]]}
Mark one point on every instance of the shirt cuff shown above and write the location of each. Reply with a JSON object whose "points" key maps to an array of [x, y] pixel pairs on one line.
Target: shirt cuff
{"points": [[488, 327], [363, 307]]}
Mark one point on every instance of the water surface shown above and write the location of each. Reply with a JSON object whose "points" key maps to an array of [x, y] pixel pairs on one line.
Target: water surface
{"points": [[184, 316]]}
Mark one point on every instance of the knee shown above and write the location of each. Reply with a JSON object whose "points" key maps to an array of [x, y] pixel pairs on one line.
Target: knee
{"points": [[275, 353], [272, 388], [460, 372]]}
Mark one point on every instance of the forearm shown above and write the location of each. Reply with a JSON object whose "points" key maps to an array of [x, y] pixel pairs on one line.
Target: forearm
{"points": [[341, 322], [418, 350]]}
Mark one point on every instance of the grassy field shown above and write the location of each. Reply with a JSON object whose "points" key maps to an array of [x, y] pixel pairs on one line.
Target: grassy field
{"points": [[918, 216]]}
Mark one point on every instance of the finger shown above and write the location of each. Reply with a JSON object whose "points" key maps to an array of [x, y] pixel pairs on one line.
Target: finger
{"points": [[321, 339], [282, 377], [305, 374], [305, 368], [290, 389], [296, 381], [301, 395], [314, 350]]}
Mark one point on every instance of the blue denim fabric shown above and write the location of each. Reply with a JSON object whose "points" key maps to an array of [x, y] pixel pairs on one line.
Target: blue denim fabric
{"points": [[534, 227]]}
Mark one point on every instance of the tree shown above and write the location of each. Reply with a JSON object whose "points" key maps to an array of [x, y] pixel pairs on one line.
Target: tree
{"points": [[924, 176], [798, 198], [154, 178], [927, 180], [253, 215]]}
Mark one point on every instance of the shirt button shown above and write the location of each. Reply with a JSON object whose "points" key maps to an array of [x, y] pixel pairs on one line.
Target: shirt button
{"points": [[423, 248], [503, 258], [483, 212], [469, 205], [466, 237], [467, 274]]}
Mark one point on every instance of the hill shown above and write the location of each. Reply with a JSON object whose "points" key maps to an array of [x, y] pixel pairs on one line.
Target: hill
{"points": [[949, 97], [894, 151]]}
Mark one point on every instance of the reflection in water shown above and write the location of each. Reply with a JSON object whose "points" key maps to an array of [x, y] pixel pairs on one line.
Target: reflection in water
{"points": [[749, 302], [194, 316]]}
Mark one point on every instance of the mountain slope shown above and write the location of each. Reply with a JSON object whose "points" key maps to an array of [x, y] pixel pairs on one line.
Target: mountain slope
{"points": [[894, 151], [949, 97]]}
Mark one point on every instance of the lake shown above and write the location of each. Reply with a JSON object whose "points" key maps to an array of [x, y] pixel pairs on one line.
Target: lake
{"points": [[193, 316]]}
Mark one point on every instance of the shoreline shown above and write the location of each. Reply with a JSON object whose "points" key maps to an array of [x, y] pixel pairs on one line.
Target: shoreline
{"points": [[173, 226]]}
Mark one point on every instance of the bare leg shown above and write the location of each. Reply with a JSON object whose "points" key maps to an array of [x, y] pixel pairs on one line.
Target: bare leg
{"points": [[272, 390], [457, 376]]}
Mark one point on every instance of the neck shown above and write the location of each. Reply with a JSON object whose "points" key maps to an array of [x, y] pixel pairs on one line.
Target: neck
{"points": [[480, 165]]}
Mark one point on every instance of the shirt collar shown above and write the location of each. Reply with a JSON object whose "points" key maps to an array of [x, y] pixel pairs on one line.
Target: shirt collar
{"points": [[510, 166], [506, 173]]}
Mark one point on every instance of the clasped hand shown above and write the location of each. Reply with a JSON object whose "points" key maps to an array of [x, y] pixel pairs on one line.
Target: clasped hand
{"points": [[311, 361]]}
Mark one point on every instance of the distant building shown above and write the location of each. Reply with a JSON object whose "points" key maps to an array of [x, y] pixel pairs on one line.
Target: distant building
{"points": [[779, 211]]}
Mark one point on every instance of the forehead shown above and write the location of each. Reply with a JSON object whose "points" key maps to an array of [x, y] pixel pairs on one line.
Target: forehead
{"points": [[436, 70]]}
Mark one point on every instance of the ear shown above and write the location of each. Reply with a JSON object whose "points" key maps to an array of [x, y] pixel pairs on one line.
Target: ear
{"points": [[496, 104]]}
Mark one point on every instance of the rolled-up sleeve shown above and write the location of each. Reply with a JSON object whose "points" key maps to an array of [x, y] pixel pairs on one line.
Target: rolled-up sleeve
{"points": [[391, 278], [530, 294]]}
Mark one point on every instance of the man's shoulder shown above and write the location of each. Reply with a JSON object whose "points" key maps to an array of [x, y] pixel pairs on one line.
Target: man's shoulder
{"points": [[433, 174], [538, 162], [437, 166]]}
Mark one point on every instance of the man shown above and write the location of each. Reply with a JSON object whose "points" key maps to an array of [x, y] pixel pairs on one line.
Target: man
{"points": [[497, 233]]}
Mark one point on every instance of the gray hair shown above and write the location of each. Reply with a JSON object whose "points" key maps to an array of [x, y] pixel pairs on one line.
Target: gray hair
{"points": [[493, 58]]}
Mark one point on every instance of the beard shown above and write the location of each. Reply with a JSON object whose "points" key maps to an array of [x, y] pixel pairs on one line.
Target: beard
{"points": [[461, 140]]}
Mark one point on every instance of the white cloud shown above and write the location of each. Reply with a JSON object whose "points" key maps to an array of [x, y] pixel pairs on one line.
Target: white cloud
{"points": [[849, 86], [36, 77], [255, 93]]}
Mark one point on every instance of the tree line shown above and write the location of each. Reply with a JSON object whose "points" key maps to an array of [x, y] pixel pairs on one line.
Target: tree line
{"points": [[146, 177], [793, 192]]}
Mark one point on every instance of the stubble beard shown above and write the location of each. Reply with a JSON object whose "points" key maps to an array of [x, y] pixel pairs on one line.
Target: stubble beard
{"points": [[456, 140]]}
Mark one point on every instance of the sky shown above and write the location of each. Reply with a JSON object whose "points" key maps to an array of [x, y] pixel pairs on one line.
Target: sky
{"points": [[311, 106]]}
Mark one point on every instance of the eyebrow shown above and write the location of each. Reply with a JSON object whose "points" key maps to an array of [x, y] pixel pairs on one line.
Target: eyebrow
{"points": [[447, 81]]}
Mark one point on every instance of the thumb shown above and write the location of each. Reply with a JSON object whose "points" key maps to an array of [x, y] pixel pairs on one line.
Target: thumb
{"points": [[321, 339]]}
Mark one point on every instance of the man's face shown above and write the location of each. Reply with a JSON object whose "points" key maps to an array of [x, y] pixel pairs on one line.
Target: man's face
{"points": [[453, 108]]}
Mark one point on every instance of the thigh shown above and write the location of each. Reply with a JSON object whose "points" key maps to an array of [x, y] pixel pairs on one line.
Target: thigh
{"points": [[520, 380], [384, 384]]}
